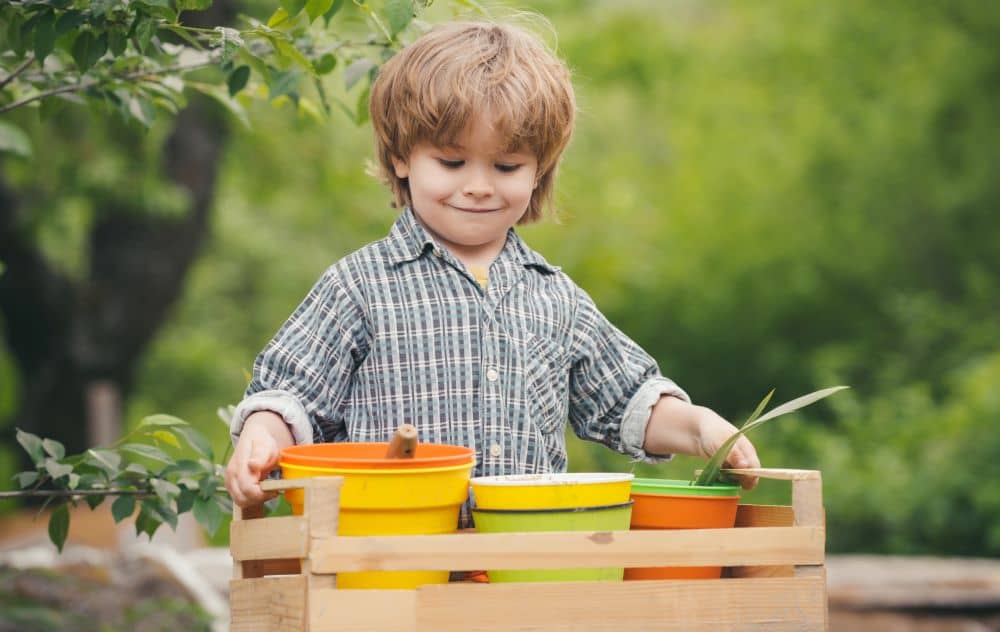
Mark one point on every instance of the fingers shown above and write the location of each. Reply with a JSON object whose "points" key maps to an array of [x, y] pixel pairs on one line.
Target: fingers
{"points": [[744, 456], [252, 461]]}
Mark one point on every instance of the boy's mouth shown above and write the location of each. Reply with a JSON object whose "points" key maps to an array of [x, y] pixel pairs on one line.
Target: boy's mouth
{"points": [[475, 209]]}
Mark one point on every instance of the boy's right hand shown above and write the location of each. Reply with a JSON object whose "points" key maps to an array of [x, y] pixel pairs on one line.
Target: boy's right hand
{"points": [[256, 454]]}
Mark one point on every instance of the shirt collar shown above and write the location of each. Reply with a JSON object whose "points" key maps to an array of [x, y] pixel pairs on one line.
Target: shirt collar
{"points": [[408, 240]]}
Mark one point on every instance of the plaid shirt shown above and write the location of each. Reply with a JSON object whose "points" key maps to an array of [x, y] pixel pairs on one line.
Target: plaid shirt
{"points": [[399, 331]]}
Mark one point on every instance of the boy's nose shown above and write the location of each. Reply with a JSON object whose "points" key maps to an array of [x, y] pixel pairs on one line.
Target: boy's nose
{"points": [[478, 187]]}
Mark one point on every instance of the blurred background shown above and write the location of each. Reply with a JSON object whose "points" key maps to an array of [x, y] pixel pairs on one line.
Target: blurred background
{"points": [[786, 195]]}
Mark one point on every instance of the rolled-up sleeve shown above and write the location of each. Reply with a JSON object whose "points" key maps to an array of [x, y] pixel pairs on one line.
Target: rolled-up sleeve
{"points": [[304, 372], [614, 384]]}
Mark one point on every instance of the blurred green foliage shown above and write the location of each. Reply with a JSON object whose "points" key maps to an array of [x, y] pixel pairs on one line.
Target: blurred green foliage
{"points": [[788, 195]]}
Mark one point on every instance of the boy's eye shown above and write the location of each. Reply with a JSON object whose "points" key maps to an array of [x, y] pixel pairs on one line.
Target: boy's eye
{"points": [[507, 167], [450, 164]]}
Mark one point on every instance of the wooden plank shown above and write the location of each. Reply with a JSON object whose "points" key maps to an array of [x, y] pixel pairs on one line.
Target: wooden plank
{"points": [[268, 538], [697, 547], [272, 603], [774, 604], [764, 516], [362, 610], [807, 502], [779, 474]]}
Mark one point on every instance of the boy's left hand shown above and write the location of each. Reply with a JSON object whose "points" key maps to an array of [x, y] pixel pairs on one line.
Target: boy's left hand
{"points": [[675, 426], [713, 431]]}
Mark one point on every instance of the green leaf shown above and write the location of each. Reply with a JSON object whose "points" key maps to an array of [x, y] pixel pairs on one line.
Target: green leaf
{"points": [[94, 500], [332, 11], [358, 69], [165, 436], [106, 460], [279, 17], [197, 442], [32, 444], [193, 5], [231, 42], [87, 49], [26, 479], [185, 500], [117, 41], [69, 21], [137, 468], [56, 469], [162, 421], [237, 80], [760, 408], [53, 448], [316, 8], [325, 64], [208, 514], [160, 512], [287, 51], [293, 7], [13, 140], [74, 480], [45, 35], [710, 473], [59, 526], [123, 507], [146, 451], [399, 14], [165, 490], [144, 34], [14, 38], [147, 522]]}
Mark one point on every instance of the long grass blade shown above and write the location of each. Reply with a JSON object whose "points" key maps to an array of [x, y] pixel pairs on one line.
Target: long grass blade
{"points": [[711, 472]]}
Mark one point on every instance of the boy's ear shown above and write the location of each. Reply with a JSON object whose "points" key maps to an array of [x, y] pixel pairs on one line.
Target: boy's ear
{"points": [[400, 167]]}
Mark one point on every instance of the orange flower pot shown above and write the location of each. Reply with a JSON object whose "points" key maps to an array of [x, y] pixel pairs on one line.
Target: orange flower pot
{"points": [[673, 504]]}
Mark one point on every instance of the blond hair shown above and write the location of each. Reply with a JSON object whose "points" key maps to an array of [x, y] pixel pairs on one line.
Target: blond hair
{"points": [[432, 90]]}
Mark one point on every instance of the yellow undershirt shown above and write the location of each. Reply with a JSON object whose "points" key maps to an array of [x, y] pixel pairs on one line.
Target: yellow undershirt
{"points": [[481, 275]]}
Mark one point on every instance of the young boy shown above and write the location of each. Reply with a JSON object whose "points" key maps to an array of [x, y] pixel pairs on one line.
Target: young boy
{"points": [[451, 322]]}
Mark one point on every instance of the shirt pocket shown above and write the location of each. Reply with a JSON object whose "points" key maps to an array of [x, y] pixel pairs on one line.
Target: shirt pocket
{"points": [[546, 379]]}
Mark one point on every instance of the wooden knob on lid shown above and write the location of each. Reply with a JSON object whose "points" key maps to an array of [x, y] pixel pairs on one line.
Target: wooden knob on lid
{"points": [[403, 444]]}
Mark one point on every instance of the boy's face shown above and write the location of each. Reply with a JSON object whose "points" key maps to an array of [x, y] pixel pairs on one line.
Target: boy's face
{"points": [[470, 194]]}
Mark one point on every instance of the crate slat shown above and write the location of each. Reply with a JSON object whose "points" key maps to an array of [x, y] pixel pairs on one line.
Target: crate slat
{"points": [[362, 610], [269, 538], [772, 604], [699, 547], [270, 603]]}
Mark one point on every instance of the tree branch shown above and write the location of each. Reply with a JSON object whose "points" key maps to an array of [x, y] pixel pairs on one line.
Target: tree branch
{"points": [[92, 83], [69, 493], [17, 71]]}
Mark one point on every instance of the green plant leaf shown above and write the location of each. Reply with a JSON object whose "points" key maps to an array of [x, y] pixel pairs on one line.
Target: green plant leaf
{"points": [[165, 490], [710, 473], [94, 500], [123, 507], [293, 7], [45, 35], [167, 437], [332, 11], [197, 441], [358, 69], [56, 469], [162, 420], [316, 8], [237, 80], [398, 13], [147, 451], [69, 21], [106, 460], [208, 514], [146, 522], [760, 408], [13, 140], [185, 500], [26, 479], [53, 448], [59, 526], [32, 444]]}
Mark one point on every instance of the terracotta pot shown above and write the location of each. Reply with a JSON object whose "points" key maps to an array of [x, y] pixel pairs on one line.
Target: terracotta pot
{"points": [[673, 504]]}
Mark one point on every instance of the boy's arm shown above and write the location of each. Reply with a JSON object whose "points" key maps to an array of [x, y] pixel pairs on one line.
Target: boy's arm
{"points": [[676, 426], [257, 451]]}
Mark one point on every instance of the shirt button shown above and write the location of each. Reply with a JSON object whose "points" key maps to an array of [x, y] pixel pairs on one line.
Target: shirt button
{"points": [[492, 375], [495, 450], [437, 253]]}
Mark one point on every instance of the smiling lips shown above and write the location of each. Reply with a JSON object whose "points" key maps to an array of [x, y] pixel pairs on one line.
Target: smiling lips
{"points": [[475, 210]]}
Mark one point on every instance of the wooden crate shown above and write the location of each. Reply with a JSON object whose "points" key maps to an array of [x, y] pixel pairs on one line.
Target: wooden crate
{"points": [[284, 573]]}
